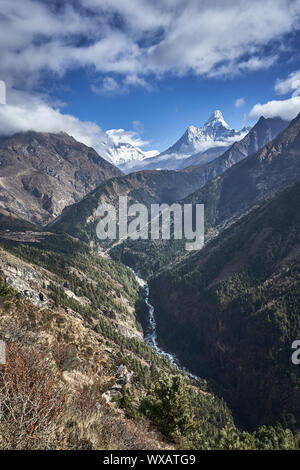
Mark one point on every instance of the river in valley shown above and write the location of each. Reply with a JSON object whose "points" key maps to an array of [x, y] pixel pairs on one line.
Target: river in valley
{"points": [[151, 336]]}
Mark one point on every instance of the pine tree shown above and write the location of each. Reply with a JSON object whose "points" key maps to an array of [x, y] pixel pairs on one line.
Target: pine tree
{"points": [[168, 407]]}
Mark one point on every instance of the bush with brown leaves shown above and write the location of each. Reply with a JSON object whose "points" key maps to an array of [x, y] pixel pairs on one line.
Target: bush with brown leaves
{"points": [[31, 401]]}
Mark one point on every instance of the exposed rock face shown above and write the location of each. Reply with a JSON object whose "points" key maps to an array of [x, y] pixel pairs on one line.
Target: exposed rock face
{"points": [[252, 180], [123, 378], [42, 173], [262, 133], [23, 278]]}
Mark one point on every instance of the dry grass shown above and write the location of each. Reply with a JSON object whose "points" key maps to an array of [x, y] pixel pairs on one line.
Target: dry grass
{"points": [[38, 410], [51, 389]]}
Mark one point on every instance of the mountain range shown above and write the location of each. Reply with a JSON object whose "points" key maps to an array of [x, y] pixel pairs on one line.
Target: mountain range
{"points": [[150, 255], [203, 143], [150, 186], [229, 312]]}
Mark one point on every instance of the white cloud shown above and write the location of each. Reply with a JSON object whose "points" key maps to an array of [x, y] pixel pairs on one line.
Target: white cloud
{"points": [[239, 102], [25, 112], [109, 86], [232, 69], [290, 84], [137, 38], [118, 136], [128, 42], [286, 109]]}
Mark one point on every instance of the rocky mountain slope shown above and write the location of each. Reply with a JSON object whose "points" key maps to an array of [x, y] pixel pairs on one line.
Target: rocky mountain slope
{"points": [[261, 134], [203, 157], [252, 180], [42, 173], [77, 360], [145, 187], [10, 221], [223, 310], [69, 321]]}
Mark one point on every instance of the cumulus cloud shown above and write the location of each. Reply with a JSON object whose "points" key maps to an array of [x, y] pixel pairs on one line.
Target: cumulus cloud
{"points": [[25, 112], [136, 39], [118, 136], [286, 109], [239, 102], [288, 85], [127, 43], [232, 69]]}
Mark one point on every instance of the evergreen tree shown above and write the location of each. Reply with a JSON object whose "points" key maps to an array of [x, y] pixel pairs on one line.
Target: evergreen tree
{"points": [[168, 407]]}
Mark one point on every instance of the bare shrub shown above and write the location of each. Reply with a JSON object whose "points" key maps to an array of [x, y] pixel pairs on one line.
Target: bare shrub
{"points": [[92, 423], [36, 412], [65, 356], [31, 403]]}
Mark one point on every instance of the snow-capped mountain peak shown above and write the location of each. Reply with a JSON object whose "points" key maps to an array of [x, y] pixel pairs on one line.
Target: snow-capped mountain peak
{"points": [[118, 147], [124, 152], [216, 120], [215, 132]]}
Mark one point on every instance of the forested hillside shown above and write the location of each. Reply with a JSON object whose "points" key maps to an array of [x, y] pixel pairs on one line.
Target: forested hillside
{"points": [[231, 312]]}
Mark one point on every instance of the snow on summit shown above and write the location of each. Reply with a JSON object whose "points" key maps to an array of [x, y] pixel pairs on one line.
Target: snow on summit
{"points": [[215, 132]]}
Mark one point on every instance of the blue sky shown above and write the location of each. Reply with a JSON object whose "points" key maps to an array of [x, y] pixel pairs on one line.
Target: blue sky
{"points": [[151, 68], [173, 103]]}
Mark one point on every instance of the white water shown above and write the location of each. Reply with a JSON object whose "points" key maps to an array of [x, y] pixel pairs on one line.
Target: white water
{"points": [[151, 337]]}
